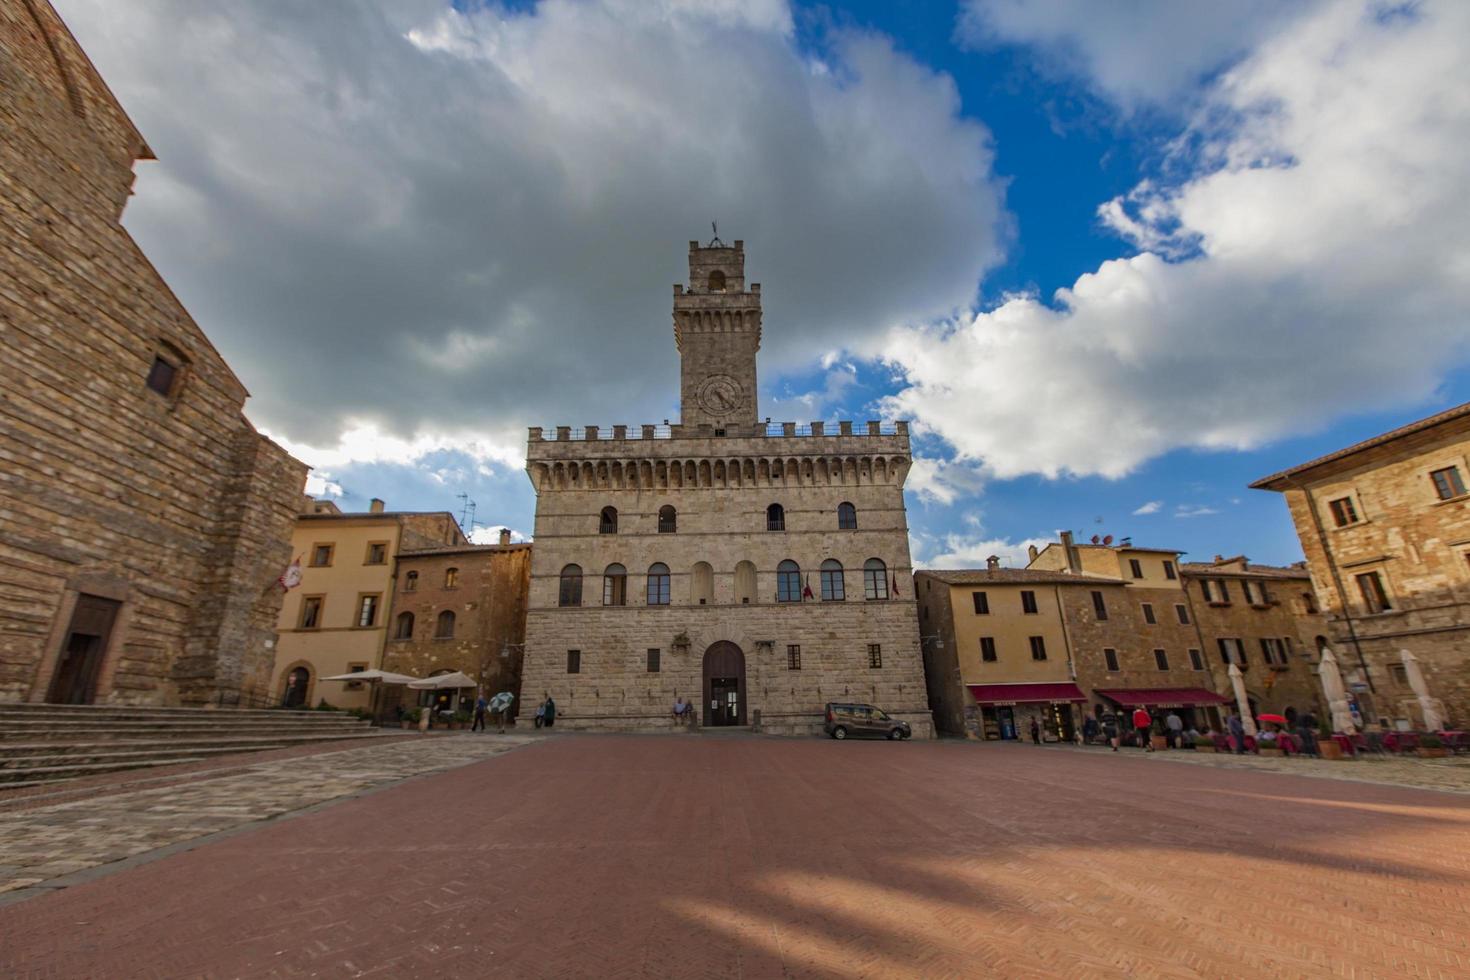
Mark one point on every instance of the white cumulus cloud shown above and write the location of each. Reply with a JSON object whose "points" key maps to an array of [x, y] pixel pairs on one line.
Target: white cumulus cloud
{"points": [[1319, 266], [1152, 507]]}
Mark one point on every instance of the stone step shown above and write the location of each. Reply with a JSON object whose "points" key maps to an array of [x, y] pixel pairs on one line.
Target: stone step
{"points": [[16, 778], [30, 763], [62, 749], [62, 714], [50, 733], [27, 706]]}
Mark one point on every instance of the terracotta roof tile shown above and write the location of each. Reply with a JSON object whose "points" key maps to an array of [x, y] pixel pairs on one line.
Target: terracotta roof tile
{"points": [[1013, 576]]}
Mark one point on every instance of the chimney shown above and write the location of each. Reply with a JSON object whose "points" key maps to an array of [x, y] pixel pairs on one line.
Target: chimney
{"points": [[993, 562], [1031, 554], [1074, 561], [1219, 559], [504, 536], [375, 506]]}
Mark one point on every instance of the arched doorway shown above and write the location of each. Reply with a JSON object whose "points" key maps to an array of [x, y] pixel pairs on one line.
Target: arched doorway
{"points": [[296, 684], [724, 685]]}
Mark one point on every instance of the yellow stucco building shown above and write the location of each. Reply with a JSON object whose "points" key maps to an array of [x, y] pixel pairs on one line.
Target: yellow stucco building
{"points": [[336, 620]]}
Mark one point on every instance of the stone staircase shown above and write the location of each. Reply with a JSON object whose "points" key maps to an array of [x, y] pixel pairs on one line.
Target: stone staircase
{"points": [[46, 742]]}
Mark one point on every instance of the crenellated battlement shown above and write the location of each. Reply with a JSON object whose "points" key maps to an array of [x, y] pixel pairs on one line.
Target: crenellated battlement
{"points": [[765, 430]]}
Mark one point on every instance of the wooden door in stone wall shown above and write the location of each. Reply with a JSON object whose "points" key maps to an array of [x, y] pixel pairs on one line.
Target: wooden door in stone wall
{"points": [[724, 685], [80, 663]]}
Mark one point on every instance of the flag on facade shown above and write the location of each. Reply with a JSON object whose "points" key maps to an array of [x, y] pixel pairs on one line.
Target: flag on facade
{"points": [[895, 585], [806, 587], [291, 577]]}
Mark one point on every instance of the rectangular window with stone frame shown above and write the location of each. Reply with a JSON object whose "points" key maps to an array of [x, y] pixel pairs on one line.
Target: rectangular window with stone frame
{"points": [[981, 601], [1028, 602], [1375, 597], [653, 660], [1161, 659], [1343, 511], [1038, 648], [987, 649], [875, 656], [1099, 606], [574, 661], [1196, 659], [1182, 611], [793, 656], [1447, 483], [311, 612], [1110, 659], [1148, 614]]}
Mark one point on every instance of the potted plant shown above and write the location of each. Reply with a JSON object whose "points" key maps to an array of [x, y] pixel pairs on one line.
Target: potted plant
{"points": [[461, 719], [1267, 746], [1432, 747], [1203, 743], [1328, 749], [410, 719], [1159, 742]]}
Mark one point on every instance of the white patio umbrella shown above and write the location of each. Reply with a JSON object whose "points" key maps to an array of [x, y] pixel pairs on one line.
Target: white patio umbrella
{"points": [[1242, 702], [1433, 721], [440, 681], [1337, 703], [375, 678], [380, 676]]}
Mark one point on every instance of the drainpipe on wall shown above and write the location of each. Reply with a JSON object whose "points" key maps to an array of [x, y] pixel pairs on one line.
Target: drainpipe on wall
{"points": [[1337, 582]]}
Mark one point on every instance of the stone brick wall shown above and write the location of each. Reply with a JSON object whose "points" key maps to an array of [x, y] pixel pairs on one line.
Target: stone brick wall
{"points": [[171, 505], [1420, 547], [489, 603], [721, 489]]}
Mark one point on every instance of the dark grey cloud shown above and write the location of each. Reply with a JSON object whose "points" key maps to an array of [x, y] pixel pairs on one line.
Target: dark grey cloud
{"points": [[436, 223]]}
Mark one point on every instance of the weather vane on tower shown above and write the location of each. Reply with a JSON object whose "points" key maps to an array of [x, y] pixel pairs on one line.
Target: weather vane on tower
{"points": [[715, 241]]}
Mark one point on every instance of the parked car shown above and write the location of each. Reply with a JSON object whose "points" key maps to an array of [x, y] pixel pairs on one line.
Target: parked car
{"points": [[863, 721]]}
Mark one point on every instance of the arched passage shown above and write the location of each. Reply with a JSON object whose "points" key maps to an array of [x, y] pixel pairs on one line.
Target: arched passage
{"points": [[724, 685]]}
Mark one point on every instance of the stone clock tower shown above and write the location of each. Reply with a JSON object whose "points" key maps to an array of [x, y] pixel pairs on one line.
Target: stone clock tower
{"points": [[717, 327]]}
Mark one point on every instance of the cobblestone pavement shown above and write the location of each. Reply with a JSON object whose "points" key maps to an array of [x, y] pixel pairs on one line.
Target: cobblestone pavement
{"points": [[1450, 774], [625, 856], [45, 842]]}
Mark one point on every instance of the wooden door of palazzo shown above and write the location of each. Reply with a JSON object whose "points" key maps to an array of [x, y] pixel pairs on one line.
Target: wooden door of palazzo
{"points": [[724, 684], [79, 665]]}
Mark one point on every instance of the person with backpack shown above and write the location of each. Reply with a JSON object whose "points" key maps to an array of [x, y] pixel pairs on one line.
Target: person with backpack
{"points": [[1142, 724]]}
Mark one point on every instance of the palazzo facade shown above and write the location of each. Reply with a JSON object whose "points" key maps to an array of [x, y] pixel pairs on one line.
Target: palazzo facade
{"points": [[756, 571]]}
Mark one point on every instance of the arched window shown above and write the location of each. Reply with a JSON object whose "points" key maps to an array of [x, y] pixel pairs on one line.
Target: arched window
{"points": [[411, 582], [658, 584], [745, 583], [788, 581], [668, 519], [444, 628], [451, 578], [570, 593], [875, 579], [846, 516], [833, 587], [717, 281], [703, 584], [609, 522], [775, 518], [615, 585], [403, 630]]}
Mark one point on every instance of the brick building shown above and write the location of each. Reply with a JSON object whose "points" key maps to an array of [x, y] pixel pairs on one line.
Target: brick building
{"points": [[336, 621], [1385, 526], [143, 521], [757, 571], [1096, 628], [1266, 619], [461, 607]]}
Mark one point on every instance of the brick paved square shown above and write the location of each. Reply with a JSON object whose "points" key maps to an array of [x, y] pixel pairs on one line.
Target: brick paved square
{"points": [[748, 857]]}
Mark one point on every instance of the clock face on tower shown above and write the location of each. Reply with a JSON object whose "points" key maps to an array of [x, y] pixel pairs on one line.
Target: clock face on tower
{"points": [[720, 395]]}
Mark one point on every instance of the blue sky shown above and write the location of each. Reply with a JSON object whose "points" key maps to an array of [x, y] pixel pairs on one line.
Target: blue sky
{"points": [[424, 228]]}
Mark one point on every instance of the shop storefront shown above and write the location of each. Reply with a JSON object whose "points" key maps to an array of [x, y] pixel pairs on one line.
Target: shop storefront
{"points": [[1196, 707], [1005, 711]]}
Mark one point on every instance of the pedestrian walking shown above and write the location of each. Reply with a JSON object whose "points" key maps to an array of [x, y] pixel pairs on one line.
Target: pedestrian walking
{"points": [[1307, 731], [1237, 732], [1035, 732], [1110, 729], [481, 706], [1173, 728], [1142, 724], [1089, 731]]}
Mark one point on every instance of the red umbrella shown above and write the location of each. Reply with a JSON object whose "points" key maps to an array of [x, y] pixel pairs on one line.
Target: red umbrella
{"points": [[1275, 719]]}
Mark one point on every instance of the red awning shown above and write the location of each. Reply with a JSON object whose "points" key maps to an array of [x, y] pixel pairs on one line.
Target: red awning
{"points": [[1025, 693], [1163, 697]]}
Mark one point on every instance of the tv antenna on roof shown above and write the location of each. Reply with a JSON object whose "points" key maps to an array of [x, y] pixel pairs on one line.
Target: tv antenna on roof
{"points": [[467, 513], [715, 241]]}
